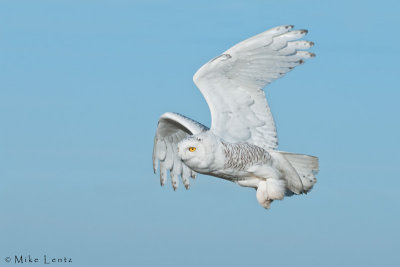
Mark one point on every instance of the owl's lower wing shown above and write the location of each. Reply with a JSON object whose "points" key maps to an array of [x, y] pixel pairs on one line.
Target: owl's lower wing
{"points": [[171, 129], [232, 84]]}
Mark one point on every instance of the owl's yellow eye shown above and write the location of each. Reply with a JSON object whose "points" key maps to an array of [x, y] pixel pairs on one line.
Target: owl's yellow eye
{"points": [[192, 149]]}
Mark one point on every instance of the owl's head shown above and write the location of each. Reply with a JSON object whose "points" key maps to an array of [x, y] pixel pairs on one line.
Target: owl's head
{"points": [[197, 151]]}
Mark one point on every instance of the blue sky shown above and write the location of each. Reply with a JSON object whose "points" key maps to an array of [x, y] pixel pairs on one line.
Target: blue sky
{"points": [[82, 84]]}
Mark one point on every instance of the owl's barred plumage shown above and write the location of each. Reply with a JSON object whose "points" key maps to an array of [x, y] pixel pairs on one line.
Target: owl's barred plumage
{"points": [[240, 156], [240, 145]]}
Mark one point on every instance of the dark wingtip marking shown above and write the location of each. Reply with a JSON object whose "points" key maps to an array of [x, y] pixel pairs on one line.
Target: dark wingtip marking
{"points": [[312, 55], [311, 44]]}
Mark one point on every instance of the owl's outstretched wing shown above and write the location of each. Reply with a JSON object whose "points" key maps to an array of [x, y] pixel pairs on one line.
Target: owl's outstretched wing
{"points": [[171, 129], [232, 84]]}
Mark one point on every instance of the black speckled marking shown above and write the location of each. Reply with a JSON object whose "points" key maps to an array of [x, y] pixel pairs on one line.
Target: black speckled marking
{"points": [[241, 156]]}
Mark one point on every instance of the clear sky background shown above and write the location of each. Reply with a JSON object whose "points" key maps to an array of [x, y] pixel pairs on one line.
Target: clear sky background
{"points": [[83, 83]]}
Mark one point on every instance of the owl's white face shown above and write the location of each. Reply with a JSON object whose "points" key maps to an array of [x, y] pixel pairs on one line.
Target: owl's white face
{"points": [[196, 152]]}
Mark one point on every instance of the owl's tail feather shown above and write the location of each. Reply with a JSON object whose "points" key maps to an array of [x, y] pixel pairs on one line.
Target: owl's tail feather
{"points": [[306, 167]]}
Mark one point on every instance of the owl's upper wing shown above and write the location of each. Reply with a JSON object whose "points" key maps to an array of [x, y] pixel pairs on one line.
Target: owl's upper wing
{"points": [[171, 129], [232, 84]]}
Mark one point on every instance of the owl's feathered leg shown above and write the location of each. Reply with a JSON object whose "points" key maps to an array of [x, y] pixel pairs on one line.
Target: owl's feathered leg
{"points": [[261, 195], [270, 190]]}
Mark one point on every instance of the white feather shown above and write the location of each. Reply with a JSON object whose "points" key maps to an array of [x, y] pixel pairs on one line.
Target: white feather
{"points": [[172, 128], [232, 85]]}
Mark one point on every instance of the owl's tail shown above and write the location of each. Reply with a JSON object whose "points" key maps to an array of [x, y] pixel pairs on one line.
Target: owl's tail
{"points": [[306, 167]]}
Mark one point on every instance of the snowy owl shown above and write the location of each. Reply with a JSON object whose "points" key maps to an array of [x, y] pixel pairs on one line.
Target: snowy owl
{"points": [[240, 145]]}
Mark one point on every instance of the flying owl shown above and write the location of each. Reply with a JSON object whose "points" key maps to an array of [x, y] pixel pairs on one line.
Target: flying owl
{"points": [[241, 144]]}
